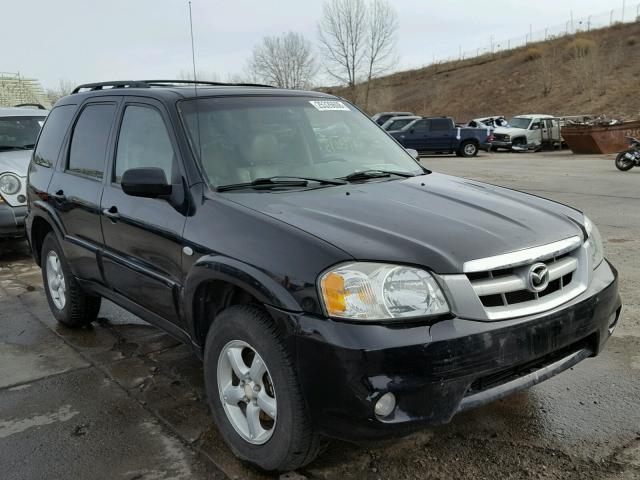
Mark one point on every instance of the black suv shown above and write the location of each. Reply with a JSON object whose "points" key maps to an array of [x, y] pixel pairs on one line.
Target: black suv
{"points": [[332, 286]]}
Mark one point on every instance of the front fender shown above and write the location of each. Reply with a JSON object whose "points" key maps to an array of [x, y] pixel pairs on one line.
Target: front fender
{"points": [[263, 287]]}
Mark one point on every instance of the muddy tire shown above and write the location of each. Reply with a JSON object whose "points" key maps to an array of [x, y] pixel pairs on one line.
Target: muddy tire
{"points": [[254, 394], [70, 305], [623, 163]]}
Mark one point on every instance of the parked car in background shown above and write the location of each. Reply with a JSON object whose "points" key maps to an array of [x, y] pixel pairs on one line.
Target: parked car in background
{"points": [[19, 129], [441, 135], [527, 132], [490, 122], [382, 117], [396, 123]]}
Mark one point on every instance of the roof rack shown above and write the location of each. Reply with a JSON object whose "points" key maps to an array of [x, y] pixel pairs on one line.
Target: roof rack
{"points": [[36, 105], [156, 83]]}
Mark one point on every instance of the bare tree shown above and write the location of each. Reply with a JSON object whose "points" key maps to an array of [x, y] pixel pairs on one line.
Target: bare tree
{"points": [[285, 61], [342, 31], [64, 88], [358, 41], [381, 41]]}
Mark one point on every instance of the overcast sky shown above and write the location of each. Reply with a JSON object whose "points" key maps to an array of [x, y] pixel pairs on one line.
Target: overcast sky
{"points": [[85, 41]]}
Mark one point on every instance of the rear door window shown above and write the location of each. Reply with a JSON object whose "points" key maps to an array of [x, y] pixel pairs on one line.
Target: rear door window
{"points": [[439, 124], [89, 141]]}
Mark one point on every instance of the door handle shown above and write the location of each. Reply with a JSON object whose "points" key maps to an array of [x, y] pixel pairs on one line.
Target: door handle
{"points": [[112, 213]]}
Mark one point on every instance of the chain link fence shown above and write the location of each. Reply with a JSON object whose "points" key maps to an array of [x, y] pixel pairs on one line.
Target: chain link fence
{"points": [[627, 14]]}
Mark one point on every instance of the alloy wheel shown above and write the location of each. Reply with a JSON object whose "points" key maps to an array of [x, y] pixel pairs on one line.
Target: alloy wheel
{"points": [[470, 149], [55, 280], [246, 392]]}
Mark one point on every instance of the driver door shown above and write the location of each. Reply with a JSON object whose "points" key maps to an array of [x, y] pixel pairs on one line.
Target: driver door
{"points": [[143, 236]]}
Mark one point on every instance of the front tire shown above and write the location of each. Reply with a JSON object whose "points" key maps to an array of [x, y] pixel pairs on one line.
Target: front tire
{"points": [[70, 305], [254, 394], [468, 149], [623, 163]]}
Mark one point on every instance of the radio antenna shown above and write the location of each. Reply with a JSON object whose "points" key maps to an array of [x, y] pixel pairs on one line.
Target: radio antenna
{"points": [[195, 81]]}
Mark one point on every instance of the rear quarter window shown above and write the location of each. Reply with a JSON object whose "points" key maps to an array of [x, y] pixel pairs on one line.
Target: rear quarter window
{"points": [[52, 135]]}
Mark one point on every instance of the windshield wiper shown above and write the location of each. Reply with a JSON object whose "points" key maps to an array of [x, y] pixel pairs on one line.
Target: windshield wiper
{"points": [[366, 174], [279, 181]]}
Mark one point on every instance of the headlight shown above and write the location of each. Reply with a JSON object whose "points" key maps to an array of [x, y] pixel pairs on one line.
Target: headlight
{"points": [[9, 184], [379, 291], [507, 138], [593, 243]]}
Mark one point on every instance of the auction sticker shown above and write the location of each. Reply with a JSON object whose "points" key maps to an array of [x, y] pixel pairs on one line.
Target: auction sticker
{"points": [[328, 105]]}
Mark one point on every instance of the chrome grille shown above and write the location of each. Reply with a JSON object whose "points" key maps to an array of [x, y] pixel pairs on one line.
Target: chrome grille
{"points": [[501, 137], [503, 285]]}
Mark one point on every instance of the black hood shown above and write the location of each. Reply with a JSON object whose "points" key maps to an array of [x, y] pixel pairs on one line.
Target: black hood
{"points": [[440, 224]]}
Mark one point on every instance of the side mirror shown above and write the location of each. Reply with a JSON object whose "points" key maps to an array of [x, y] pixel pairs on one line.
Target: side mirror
{"points": [[412, 130], [414, 153], [149, 182]]}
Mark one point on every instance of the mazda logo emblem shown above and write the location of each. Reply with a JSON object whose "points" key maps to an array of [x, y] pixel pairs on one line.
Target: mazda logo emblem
{"points": [[537, 277]]}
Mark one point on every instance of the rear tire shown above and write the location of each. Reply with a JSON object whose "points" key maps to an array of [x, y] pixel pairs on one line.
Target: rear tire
{"points": [[238, 336], [468, 149], [622, 163], [70, 305]]}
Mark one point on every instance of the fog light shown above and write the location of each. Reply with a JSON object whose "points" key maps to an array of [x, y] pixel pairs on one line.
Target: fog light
{"points": [[385, 405]]}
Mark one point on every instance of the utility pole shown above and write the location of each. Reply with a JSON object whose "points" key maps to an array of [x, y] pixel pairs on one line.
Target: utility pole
{"points": [[623, 7], [572, 29], [611, 17]]}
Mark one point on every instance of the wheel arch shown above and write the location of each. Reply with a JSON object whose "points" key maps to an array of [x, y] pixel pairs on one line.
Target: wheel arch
{"points": [[40, 224], [215, 283]]}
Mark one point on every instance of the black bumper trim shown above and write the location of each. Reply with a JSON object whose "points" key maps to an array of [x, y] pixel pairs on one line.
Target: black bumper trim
{"points": [[526, 381]]}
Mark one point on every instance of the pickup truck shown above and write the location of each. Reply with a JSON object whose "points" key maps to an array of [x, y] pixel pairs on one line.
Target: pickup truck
{"points": [[441, 135], [528, 132]]}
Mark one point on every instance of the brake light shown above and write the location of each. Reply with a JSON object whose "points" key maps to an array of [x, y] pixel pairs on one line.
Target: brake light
{"points": [[490, 138]]}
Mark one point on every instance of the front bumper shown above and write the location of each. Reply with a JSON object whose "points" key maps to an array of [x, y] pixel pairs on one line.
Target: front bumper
{"points": [[12, 220], [501, 144], [437, 371]]}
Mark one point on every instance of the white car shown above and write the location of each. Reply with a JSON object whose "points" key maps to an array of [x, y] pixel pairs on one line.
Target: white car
{"points": [[19, 129], [488, 122], [527, 132]]}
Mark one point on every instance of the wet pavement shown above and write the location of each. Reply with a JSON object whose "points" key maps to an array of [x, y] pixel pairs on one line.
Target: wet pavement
{"points": [[122, 400]]}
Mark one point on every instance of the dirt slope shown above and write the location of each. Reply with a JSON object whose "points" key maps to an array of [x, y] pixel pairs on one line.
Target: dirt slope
{"points": [[590, 73]]}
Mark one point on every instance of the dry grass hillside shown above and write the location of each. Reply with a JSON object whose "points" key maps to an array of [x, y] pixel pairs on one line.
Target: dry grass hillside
{"points": [[589, 73]]}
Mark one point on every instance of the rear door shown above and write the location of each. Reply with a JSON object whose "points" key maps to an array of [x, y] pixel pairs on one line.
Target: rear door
{"points": [[143, 236], [76, 185], [440, 135]]}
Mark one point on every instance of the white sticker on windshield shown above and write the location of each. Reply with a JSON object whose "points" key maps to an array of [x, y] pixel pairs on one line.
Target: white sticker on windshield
{"points": [[328, 105]]}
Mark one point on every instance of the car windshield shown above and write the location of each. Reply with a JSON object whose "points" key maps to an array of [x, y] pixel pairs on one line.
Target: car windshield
{"points": [[519, 122], [19, 132], [243, 138]]}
